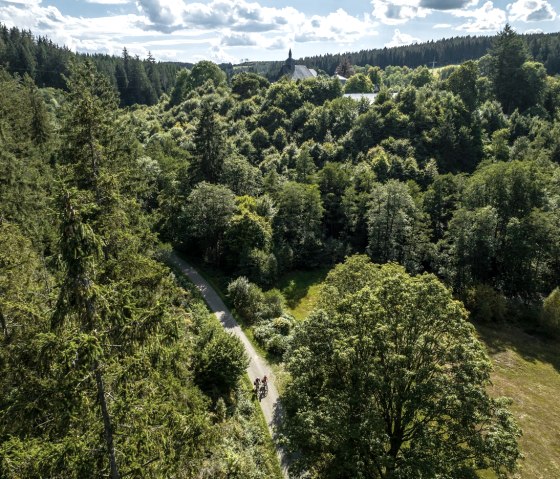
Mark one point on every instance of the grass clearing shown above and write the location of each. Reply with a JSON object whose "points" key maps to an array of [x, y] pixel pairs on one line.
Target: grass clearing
{"points": [[527, 369], [301, 289]]}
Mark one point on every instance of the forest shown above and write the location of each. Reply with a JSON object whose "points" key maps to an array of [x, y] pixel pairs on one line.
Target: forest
{"points": [[433, 208]]}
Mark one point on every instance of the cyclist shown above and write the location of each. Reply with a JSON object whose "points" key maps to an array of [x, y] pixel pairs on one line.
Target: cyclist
{"points": [[265, 380], [257, 384]]}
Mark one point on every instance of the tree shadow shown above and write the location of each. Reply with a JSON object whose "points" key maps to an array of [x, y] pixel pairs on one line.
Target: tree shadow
{"points": [[295, 285], [531, 344]]}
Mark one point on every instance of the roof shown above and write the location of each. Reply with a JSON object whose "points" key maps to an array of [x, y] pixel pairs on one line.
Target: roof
{"points": [[359, 96], [301, 72]]}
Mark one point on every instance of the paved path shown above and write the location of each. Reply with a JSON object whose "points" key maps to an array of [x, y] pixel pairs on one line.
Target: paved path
{"points": [[258, 367]]}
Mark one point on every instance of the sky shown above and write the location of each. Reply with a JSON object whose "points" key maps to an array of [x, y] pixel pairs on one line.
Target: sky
{"points": [[238, 30]]}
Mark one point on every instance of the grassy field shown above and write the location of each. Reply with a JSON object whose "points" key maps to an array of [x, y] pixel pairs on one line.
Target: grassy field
{"points": [[527, 369]]}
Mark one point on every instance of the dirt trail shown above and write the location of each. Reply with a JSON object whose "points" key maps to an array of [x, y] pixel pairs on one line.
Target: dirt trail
{"points": [[258, 367]]}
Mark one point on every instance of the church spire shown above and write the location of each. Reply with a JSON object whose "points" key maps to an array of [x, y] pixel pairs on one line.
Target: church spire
{"points": [[290, 54]]}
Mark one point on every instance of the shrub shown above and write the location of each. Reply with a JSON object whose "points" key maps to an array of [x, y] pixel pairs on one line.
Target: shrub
{"points": [[550, 317], [278, 344], [283, 324], [247, 298], [273, 304], [486, 304]]}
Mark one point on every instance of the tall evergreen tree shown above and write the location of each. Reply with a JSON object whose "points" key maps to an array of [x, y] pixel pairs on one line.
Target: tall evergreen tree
{"points": [[509, 53], [210, 145]]}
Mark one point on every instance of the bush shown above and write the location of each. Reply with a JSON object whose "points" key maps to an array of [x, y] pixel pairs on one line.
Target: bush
{"points": [[219, 361], [247, 298], [274, 335], [550, 317], [260, 266], [486, 304], [273, 304], [278, 344]]}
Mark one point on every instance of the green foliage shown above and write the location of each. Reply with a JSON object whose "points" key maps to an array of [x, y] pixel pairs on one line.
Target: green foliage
{"points": [[395, 226], [219, 361], [550, 317], [247, 298], [377, 358], [298, 221], [207, 213], [358, 83], [486, 304]]}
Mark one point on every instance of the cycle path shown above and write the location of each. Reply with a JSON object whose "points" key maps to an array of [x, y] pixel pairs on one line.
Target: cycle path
{"points": [[257, 368]]}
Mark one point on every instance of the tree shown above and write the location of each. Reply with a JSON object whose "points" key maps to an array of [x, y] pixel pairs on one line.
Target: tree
{"points": [[205, 71], [298, 222], [345, 68], [180, 88], [207, 214], [395, 226], [358, 83], [389, 381], [463, 82], [509, 53], [210, 146], [247, 85]]}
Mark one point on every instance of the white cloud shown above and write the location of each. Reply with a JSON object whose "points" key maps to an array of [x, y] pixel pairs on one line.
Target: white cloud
{"points": [[219, 55], [337, 26], [533, 30], [485, 18], [442, 25], [531, 10], [109, 2], [239, 39], [447, 4], [218, 25], [400, 39], [396, 12]]}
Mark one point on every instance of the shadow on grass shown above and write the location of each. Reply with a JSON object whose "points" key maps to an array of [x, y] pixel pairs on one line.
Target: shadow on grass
{"points": [[295, 285], [529, 344]]}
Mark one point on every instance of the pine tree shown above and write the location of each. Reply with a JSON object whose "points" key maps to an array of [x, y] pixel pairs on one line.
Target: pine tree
{"points": [[210, 146], [509, 53]]}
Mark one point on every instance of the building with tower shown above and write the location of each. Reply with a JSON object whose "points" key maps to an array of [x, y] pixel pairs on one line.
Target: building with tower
{"points": [[295, 72]]}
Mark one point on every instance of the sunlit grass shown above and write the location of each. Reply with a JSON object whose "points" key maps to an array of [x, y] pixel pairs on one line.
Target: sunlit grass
{"points": [[301, 289]]}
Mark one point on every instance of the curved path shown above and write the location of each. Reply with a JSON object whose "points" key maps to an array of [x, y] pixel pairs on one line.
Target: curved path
{"points": [[258, 367]]}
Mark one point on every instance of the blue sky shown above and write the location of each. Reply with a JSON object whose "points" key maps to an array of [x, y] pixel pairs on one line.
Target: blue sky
{"points": [[232, 30]]}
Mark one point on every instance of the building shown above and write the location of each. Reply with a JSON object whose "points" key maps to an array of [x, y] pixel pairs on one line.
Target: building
{"points": [[340, 78], [295, 72]]}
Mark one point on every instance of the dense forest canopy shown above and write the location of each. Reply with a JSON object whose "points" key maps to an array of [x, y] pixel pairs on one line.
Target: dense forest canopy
{"points": [[445, 188]]}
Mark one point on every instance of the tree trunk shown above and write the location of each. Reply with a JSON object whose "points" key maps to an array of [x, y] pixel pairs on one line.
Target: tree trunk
{"points": [[106, 422], [3, 324]]}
